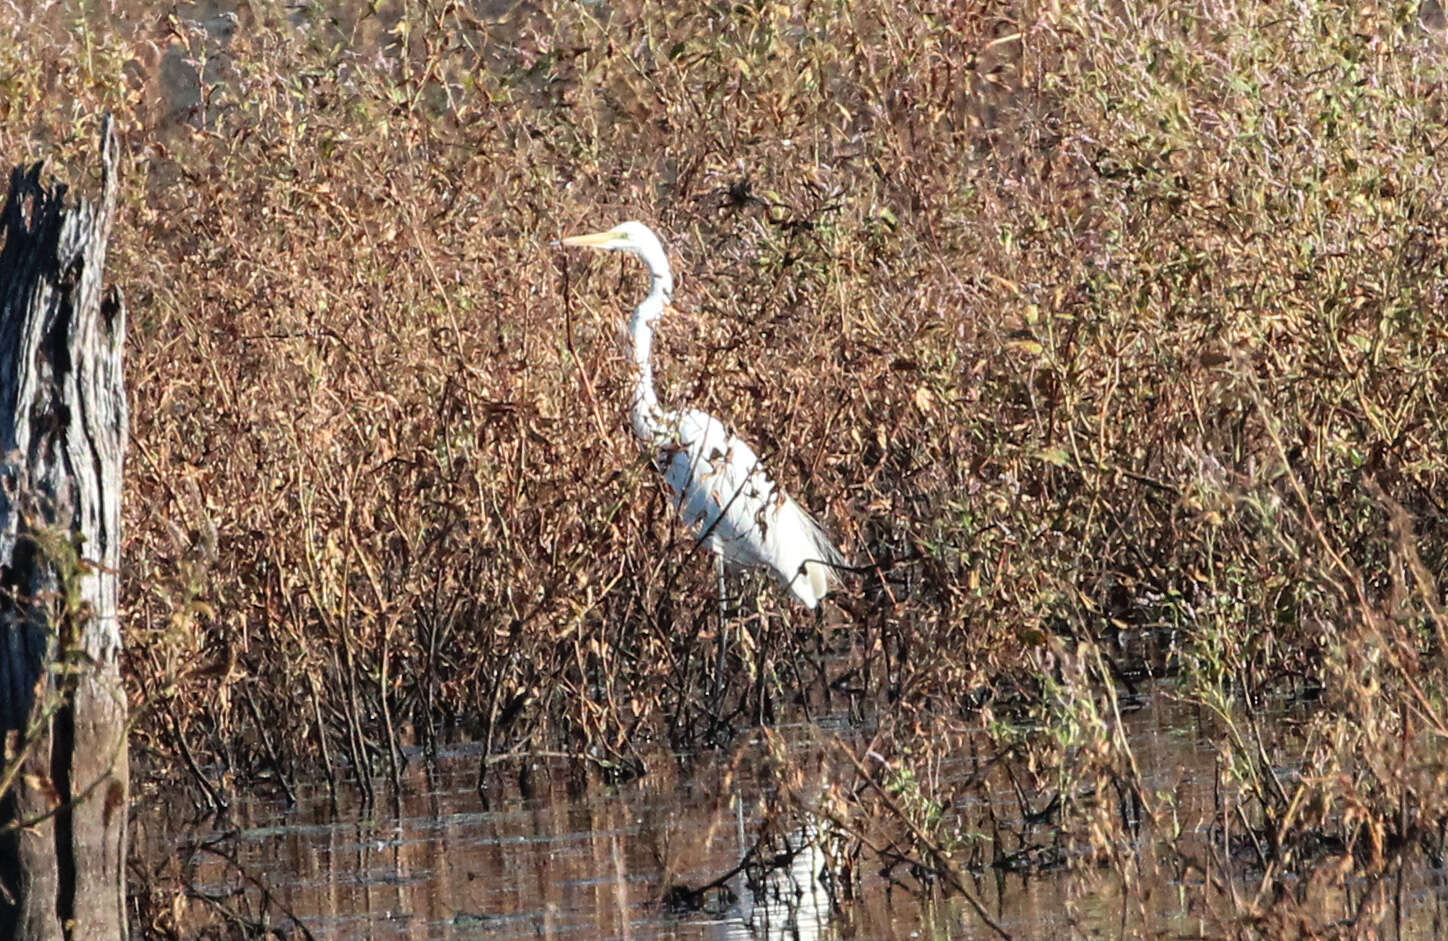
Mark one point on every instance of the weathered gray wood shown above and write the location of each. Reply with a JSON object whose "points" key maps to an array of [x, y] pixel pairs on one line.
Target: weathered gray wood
{"points": [[63, 434]]}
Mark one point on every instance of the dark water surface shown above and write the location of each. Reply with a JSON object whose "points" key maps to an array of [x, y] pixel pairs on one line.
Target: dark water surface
{"points": [[553, 854]]}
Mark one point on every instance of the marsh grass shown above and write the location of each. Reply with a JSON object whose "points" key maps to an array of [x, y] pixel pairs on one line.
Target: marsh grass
{"points": [[1074, 325]]}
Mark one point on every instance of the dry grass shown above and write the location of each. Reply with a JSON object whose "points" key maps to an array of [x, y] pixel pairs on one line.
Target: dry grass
{"points": [[1079, 325]]}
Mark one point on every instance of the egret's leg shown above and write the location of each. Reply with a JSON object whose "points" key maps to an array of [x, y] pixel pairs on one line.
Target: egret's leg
{"points": [[723, 587], [723, 638]]}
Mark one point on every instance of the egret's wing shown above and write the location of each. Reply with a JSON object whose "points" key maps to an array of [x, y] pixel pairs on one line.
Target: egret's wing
{"points": [[732, 504], [717, 484]]}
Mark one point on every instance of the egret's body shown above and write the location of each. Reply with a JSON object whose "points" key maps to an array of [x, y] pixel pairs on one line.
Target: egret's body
{"points": [[716, 481]]}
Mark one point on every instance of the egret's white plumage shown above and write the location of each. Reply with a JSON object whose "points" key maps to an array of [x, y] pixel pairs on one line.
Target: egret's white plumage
{"points": [[716, 480]]}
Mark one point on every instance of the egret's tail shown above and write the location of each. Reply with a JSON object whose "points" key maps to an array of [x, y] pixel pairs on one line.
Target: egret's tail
{"points": [[813, 567]]}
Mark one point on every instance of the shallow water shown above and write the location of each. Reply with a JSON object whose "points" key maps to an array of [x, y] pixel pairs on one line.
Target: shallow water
{"points": [[543, 851], [549, 853]]}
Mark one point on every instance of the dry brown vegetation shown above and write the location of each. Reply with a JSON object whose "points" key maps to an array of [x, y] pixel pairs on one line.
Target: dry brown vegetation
{"points": [[1075, 326]]}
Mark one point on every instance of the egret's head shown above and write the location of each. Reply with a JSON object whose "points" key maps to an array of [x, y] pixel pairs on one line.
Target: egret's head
{"points": [[632, 237]]}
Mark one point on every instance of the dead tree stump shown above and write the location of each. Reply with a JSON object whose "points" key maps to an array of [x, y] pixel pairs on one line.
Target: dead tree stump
{"points": [[63, 433]]}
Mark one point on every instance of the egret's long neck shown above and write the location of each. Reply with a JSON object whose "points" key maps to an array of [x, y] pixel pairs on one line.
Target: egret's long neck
{"points": [[645, 414]]}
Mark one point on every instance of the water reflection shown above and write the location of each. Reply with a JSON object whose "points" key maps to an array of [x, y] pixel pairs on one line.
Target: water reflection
{"points": [[788, 901], [685, 852], [574, 860]]}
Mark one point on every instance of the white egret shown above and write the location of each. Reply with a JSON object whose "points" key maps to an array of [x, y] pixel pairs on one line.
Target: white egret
{"points": [[716, 480]]}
